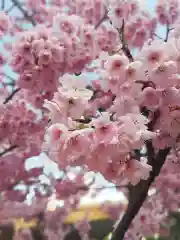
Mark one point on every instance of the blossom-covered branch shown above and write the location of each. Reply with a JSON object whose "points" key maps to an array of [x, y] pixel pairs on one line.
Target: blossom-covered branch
{"points": [[137, 196], [123, 123]]}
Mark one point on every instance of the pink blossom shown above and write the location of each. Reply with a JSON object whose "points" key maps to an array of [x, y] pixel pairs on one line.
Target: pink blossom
{"points": [[116, 64], [55, 133], [165, 70], [153, 53], [125, 125], [124, 105], [150, 98], [142, 171], [105, 130], [133, 71], [68, 25], [167, 12], [4, 23]]}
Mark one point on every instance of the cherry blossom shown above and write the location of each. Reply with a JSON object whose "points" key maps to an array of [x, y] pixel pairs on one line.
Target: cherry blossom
{"points": [[123, 123]]}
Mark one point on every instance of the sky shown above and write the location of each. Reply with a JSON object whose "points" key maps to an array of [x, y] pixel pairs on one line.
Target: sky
{"points": [[107, 194]]}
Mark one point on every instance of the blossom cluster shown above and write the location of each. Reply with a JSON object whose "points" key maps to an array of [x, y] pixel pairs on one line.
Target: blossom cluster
{"points": [[115, 125], [18, 123], [44, 54]]}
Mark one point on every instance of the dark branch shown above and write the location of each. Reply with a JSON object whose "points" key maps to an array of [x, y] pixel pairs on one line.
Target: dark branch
{"points": [[84, 121], [38, 231], [11, 96], [156, 35], [9, 77], [149, 145], [7, 231], [138, 193], [25, 13], [167, 33], [137, 196], [7, 150], [102, 20], [10, 8], [124, 43]]}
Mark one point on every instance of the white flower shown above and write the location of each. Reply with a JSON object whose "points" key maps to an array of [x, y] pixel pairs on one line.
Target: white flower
{"points": [[73, 81]]}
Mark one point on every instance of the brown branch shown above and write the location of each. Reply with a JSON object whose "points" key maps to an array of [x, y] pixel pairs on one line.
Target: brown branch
{"points": [[146, 84], [38, 231], [8, 150], [138, 193], [149, 145], [11, 95], [137, 196], [7, 231], [124, 43]]}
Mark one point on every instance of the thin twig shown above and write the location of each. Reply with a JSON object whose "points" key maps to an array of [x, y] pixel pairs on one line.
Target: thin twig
{"points": [[102, 19], [11, 96], [12, 84], [10, 8], [25, 13], [167, 33], [10, 78], [156, 35], [124, 43], [8, 150]]}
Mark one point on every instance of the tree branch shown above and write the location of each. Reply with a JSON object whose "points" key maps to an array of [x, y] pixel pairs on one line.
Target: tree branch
{"points": [[9, 77], [10, 8], [11, 95], [102, 19], [167, 33], [8, 150], [124, 43], [159, 37], [138, 194], [25, 13]]}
